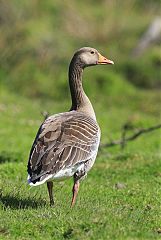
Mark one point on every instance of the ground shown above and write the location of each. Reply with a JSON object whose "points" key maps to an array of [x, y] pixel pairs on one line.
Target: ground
{"points": [[120, 198]]}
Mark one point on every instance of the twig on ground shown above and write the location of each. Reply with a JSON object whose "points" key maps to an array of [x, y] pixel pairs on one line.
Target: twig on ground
{"points": [[135, 135]]}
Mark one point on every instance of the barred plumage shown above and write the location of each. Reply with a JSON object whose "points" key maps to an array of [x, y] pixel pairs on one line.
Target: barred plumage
{"points": [[65, 140]]}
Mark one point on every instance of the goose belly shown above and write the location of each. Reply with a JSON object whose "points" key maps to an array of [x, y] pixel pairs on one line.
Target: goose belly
{"points": [[67, 172]]}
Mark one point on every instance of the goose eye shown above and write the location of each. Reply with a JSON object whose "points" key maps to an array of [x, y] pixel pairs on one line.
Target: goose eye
{"points": [[92, 52]]}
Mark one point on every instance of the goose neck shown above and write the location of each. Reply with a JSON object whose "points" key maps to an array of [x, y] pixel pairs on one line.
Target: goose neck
{"points": [[80, 101]]}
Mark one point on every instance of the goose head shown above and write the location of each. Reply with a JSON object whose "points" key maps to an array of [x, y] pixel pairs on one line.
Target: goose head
{"points": [[88, 56]]}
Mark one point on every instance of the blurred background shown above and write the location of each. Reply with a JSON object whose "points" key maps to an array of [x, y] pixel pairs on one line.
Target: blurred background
{"points": [[38, 39]]}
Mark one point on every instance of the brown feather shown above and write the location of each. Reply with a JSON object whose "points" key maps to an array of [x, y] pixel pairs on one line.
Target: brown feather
{"points": [[64, 140]]}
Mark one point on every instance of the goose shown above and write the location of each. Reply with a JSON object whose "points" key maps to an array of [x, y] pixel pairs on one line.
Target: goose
{"points": [[66, 144]]}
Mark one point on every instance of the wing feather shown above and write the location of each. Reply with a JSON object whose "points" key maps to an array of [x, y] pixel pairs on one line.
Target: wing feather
{"points": [[62, 141]]}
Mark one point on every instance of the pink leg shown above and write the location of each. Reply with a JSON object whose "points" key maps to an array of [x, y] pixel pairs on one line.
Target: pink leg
{"points": [[50, 191], [75, 192]]}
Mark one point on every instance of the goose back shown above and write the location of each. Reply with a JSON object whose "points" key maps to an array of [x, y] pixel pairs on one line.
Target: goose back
{"points": [[64, 140]]}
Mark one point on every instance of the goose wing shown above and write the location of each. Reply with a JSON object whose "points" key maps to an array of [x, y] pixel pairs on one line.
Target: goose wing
{"points": [[62, 141]]}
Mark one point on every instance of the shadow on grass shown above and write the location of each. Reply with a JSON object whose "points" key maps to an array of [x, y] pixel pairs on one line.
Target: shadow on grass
{"points": [[15, 202]]}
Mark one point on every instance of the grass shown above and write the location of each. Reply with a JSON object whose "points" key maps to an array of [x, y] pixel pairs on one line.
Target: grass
{"points": [[103, 210], [120, 198]]}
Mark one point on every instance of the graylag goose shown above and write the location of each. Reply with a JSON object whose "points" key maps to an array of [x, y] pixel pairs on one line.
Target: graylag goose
{"points": [[66, 144]]}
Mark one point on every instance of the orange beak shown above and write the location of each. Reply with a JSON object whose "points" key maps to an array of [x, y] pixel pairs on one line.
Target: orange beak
{"points": [[103, 60]]}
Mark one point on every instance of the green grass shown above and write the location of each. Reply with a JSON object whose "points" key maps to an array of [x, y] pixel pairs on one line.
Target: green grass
{"points": [[102, 211], [37, 41]]}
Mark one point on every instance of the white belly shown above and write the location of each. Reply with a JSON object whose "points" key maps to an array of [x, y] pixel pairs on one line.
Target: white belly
{"points": [[67, 172]]}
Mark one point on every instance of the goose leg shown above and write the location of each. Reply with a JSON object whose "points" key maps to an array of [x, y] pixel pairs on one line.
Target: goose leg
{"points": [[75, 191], [50, 191]]}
